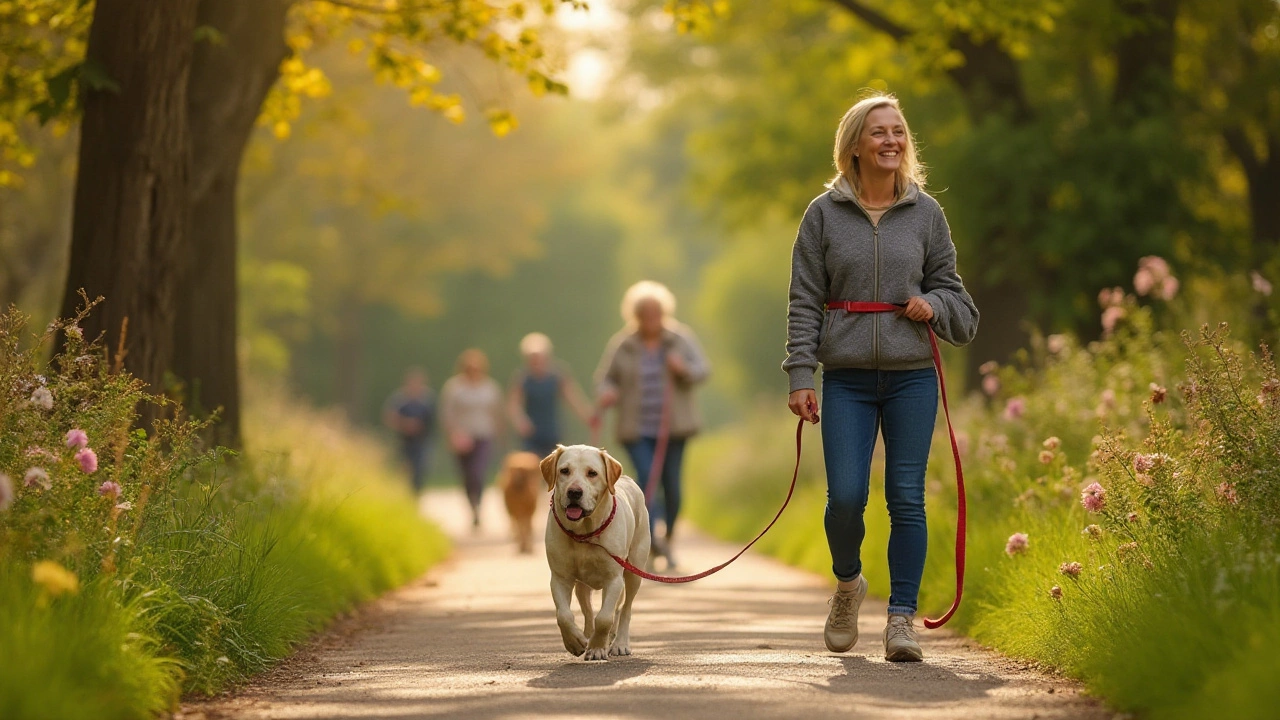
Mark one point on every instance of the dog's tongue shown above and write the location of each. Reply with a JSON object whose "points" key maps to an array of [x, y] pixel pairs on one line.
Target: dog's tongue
{"points": [[573, 513]]}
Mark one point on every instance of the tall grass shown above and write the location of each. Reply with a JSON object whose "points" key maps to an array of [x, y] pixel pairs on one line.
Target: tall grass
{"points": [[1175, 609], [199, 569]]}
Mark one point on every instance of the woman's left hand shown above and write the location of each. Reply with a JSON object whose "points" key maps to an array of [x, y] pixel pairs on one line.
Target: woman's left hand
{"points": [[917, 309]]}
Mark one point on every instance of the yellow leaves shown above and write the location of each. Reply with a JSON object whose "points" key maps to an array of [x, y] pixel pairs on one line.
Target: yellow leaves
{"points": [[54, 579], [696, 16], [501, 122]]}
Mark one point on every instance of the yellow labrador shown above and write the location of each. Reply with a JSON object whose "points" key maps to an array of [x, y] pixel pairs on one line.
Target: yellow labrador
{"points": [[589, 491]]}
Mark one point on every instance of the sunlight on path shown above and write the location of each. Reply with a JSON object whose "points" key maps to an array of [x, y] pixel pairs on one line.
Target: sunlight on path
{"points": [[477, 639]]}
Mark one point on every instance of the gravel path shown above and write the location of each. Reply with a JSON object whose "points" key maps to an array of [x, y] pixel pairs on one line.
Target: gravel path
{"points": [[477, 639]]}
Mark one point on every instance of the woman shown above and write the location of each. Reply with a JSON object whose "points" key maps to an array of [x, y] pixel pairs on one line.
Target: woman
{"points": [[874, 236], [649, 370], [534, 395], [471, 408]]}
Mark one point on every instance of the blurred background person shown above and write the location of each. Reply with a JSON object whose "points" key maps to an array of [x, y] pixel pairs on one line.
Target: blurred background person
{"points": [[649, 370], [471, 410], [410, 412], [534, 395]]}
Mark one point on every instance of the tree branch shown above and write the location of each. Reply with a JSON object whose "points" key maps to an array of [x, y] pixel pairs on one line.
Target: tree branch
{"points": [[875, 19]]}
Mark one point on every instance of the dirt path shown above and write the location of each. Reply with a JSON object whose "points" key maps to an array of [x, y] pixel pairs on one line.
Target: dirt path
{"points": [[477, 639]]}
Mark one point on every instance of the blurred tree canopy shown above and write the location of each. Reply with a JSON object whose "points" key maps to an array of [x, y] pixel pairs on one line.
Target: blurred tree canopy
{"points": [[1066, 138]]}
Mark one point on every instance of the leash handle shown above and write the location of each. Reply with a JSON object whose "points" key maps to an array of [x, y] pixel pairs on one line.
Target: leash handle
{"points": [[679, 579], [874, 307]]}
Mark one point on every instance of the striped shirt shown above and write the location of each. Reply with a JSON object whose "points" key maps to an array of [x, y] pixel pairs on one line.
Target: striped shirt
{"points": [[653, 377]]}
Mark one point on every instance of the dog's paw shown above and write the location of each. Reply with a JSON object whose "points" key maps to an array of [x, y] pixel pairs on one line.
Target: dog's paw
{"points": [[596, 654], [574, 644], [620, 649]]}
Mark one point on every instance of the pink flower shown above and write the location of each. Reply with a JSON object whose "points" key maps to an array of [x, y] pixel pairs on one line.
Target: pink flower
{"points": [[6, 492], [1111, 316], [1143, 463], [1227, 493], [1056, 343], [1017, 544], [109, 489], [1046, 456], [1108, 398], [1260, 283], [1093, 497], [1052, 443], [42, 398], [36, 476], [988, 367], [1143, 281], [1110, 297], [1156, 265], [1014, 408], [77, 438], [990, 384], [1168, 288], [1071, 569], [88, 460], [1055, 592]]}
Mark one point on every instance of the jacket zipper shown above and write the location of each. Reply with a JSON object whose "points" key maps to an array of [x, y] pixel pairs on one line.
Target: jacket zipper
{"points": [[875, 317]]}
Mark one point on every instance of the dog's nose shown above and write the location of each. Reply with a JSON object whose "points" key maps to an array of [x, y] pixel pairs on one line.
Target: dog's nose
{"points": [[574, 494]]}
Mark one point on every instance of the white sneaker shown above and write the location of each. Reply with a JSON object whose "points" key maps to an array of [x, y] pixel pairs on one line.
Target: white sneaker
{"points": [[841, 631], [900, 643]]}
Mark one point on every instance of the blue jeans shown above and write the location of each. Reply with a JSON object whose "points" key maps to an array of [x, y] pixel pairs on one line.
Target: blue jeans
{"points": [[641, 452], [855, 403]]}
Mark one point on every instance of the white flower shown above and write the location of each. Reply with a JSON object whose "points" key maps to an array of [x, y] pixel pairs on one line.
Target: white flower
{"points": [[42, 398], [37, 476]]}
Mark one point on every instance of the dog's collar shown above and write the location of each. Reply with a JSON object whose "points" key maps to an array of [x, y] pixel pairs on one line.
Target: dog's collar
{"points": [[584, 537]]}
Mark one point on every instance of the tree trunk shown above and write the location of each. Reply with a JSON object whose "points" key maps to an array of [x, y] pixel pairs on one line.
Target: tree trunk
{"points": [[1003, 309], [230, 78], [130, 212], [1264, 207]]}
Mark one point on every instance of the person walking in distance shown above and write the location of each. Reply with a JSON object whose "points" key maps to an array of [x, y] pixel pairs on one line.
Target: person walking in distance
{"points": [[410, 412], [874, 236], [649, 370], [471, 408], [534, 395]]}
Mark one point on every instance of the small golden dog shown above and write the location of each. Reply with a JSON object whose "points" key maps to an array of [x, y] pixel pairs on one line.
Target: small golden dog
{"points": [[521, 483]]}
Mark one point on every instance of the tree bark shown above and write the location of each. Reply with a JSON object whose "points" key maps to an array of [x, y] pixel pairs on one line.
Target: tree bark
{"points": [[130, 211], [1264, 188], [230, 78]]}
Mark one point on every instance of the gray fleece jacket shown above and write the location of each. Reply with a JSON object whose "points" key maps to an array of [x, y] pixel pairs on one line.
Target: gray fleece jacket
{"points": [[840, 255]]}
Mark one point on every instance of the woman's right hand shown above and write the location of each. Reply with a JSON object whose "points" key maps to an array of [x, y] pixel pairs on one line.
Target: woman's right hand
{"points": [[805, 404]]}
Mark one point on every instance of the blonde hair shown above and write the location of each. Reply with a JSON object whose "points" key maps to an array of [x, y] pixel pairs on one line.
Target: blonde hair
{"points": [[850, 130], [644, 291], [475, 355], [534, 343]]}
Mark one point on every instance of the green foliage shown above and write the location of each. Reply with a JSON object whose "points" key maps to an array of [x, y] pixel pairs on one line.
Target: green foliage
{"points": [[1174, 598], [162, 568]]}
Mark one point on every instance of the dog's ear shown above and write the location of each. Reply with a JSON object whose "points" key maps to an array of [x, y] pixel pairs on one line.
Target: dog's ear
{"points": [[548, 466], [612, 469]]}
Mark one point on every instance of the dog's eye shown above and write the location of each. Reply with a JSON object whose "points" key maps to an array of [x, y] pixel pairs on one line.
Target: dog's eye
{"points": [[564, 471], [592, 473]]}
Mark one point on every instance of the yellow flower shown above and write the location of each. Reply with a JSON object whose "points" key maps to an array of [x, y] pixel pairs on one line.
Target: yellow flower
{"points": [[55, 579]]}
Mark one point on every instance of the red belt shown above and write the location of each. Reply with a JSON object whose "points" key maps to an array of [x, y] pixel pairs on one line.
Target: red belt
{"points": [[878, 307]]}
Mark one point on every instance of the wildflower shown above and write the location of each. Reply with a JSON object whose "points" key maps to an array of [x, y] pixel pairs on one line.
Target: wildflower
{"points": [[1046, 456], [1168, 288], [88, 460], [1052, 443], [962, 443], [1131, 517], [1260, 283], [1056, 343], [1143, 281], [39, 452], [1227, 493], [1158, 393], [42, 398], [1093, 498], [55, 579], [36, 476], [1014, 408], [1111, 316], [126, 505], [75, 331], [77, 438], [1017, 544], [1143, 463], [988, 367], [1110, 297], [990, 384], [6, 492], [1109, 398], [1055, 592], [110, 489], [1070, 569], [1093, 532], [1125, 549]]}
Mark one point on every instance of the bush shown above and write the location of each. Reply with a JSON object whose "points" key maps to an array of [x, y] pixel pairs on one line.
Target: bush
{"points": [[133, 567]]}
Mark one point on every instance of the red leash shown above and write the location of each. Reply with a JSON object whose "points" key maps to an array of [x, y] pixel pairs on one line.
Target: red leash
{"points": [[876, 307], [587, 537]]}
